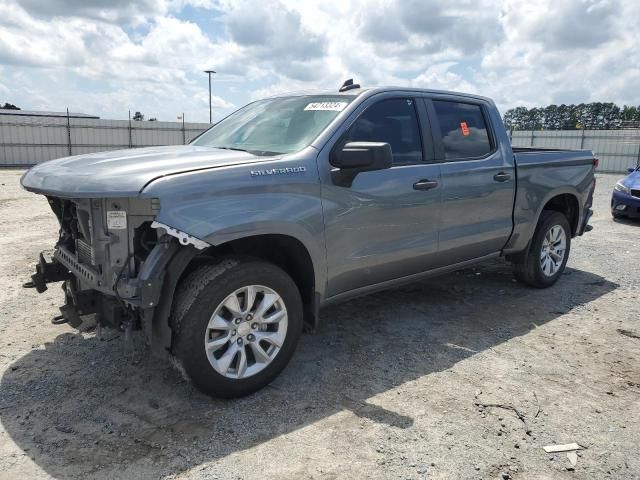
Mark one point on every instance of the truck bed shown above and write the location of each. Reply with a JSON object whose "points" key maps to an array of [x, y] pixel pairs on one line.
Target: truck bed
{"points": [[542, 172], [529, 156], [539, 149]]}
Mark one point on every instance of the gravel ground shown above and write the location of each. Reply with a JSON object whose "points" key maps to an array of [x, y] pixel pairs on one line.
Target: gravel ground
{"points": [[392, 385]]}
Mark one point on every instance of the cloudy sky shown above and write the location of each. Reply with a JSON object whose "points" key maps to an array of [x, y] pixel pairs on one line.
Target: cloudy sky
{"points": [[110, 56]]}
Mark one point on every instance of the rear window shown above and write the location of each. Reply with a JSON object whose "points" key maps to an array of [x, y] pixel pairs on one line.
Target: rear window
{"points": [[463, 129]]}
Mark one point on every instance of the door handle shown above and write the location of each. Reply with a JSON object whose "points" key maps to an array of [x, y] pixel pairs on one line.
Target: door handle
{"points": [[501, 177], [425, 184]]}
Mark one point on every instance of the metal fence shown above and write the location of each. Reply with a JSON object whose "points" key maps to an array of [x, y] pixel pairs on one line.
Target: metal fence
{"points": [[26, 140], [616, 149]]}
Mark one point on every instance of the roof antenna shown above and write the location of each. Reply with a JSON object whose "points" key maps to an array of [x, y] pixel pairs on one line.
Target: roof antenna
{"points": [[348, 85]]}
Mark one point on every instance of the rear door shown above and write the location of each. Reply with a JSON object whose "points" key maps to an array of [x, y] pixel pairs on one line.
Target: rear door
{"points": [[385, 224], [477, 180]]}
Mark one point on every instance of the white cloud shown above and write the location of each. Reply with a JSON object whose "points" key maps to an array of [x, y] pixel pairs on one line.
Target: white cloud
{"points": [[440, 77], [114, 11], [4, 90], [122, 12], [106, 56], [547, 57]]}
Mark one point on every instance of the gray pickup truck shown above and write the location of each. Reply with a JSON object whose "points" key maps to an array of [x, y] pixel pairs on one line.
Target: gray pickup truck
{"points": [[222, 250]]}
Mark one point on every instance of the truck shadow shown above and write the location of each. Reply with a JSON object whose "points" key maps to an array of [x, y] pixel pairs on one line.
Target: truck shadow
{"points": [[80, 405]]}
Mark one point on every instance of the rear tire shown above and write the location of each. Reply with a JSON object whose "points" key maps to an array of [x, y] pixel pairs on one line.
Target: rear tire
{"points": [[542, 264], [227, 338]]}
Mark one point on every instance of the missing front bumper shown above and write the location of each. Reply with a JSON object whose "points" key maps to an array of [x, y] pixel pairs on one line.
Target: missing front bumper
{"points": [[47, 272], [83, 309]]}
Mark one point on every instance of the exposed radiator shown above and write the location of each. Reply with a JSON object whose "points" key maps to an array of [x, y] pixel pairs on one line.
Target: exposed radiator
{"points": [[85, 251]]}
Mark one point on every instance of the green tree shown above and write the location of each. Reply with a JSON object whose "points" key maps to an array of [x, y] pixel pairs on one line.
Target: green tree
{"points": [[516, 118], [595, 115], [630, 113], [535, 119], [552, 118], [609, 116]]}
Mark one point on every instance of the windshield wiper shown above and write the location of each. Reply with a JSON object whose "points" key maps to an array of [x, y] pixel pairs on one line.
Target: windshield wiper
{"points": [[233, 148], [260, 153], [264, 153]]}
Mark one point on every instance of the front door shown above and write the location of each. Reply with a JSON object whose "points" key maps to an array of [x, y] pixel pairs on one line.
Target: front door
{"points": [[385, 225]]}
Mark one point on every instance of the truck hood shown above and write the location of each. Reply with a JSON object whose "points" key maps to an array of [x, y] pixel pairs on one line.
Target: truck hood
{"points": [[124, 173]]}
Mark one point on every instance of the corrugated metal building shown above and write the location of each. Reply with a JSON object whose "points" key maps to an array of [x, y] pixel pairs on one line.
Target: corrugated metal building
{"points": [[33, 113]]}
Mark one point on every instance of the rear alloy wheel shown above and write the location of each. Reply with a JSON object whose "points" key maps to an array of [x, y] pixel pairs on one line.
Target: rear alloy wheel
{"points": [[542, 264], [554, 247], [236, 324]]}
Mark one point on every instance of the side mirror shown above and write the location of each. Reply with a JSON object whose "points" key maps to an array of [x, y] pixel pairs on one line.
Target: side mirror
{"points": [[631, 170], [356, 157]]}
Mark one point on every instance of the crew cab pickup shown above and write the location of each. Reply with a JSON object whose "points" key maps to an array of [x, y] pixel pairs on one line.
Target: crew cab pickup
{"points": [[223, 249]]}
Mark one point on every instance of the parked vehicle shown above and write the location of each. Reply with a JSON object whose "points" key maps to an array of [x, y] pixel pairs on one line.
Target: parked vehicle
{"points": [[625, 200], [222, 249]]}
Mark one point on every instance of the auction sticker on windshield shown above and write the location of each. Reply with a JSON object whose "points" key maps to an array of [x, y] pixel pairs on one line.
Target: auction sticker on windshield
{"points": [[332, 106]]}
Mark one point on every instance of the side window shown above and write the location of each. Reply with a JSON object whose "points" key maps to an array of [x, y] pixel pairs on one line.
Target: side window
{"points": [[393, 121], [463, 129]]}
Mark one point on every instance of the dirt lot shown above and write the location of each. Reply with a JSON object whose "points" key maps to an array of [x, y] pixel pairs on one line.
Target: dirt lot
{"points": [[388, 388]]}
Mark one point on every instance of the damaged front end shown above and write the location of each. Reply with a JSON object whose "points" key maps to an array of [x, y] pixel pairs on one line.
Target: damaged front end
{"points": [[118, 266]]}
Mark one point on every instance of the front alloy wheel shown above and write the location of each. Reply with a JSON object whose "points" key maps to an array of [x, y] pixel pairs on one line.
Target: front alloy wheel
{"points": [[236, 324], [246, 331]]}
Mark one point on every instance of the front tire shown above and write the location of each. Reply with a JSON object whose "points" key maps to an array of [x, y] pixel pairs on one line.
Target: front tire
{"points": [[236, 325], [542, 264]]}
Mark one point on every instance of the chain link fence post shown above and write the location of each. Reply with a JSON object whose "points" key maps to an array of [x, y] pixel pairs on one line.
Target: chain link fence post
{"points": [[184, 133], [130, 133], [69, 133]]}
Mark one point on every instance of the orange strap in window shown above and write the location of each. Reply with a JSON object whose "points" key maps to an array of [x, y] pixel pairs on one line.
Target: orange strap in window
{"points": [[464, 128]]}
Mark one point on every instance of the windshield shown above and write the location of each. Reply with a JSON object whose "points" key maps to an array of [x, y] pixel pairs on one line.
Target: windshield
{"points": [[275, 125]]}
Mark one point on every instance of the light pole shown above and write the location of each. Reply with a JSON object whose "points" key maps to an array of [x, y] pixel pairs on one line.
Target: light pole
{"points": [[209, 72]]}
